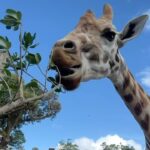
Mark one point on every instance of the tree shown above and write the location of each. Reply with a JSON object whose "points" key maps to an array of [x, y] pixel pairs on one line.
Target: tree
{"points": [[67, 145], [23, 102], [35, 148], [116, 147]]}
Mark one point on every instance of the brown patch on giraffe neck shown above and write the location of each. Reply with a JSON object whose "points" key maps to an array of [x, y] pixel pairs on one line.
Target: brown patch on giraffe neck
{"points": [[144, 98], [136, 99], [131, 87], [128, 98], [126, 87], [126, 82], [145, 123], [138, 109]]}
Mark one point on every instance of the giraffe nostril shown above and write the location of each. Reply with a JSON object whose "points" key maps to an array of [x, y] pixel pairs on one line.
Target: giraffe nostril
{"points": [[69, 45]]}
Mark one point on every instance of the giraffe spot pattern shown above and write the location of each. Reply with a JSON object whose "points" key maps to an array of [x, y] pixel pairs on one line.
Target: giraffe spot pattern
{"points": [[94, 57], [112, 64], [134, 91], [141, 88], [128, 98], [126, 82], [145, 123], [138, 109], [105, 59], [116, 88], [147, 143], [117, 58], [131, 75], [115, 69], [147, 146]]}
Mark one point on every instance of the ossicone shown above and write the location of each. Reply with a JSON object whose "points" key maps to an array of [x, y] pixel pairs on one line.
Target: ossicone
{"points": [[108, 12]]}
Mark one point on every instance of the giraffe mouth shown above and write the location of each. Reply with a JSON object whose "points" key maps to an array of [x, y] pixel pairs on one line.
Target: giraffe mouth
{"points": [[64, 72], [70, 77]]}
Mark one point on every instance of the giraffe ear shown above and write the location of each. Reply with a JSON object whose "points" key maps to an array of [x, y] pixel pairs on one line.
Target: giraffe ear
{"points": [[108, 12], [133, 28]]}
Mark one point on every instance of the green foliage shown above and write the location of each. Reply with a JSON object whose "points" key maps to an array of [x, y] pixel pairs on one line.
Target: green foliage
{"points": [[5, 44], [28, 40], [35, 148], [116, 147], [67, 145], [33, 58], [7, 72], [12, 82], [14, 88], [17, 138], [12, 19]]}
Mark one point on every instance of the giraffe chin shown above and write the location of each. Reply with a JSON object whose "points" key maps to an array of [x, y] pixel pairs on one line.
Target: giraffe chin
{"points": [[70, 82]]}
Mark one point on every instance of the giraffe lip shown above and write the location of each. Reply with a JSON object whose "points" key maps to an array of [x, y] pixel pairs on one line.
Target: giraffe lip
{"points": [[70, 77], [76, 66], [66, 71], [69, 71]]}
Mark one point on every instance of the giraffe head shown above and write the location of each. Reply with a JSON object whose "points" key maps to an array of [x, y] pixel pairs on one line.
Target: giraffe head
{"points": [[90, 51]]}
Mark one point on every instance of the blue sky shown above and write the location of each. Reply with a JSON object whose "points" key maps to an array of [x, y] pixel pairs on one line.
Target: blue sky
{"points": [[95, 109]]}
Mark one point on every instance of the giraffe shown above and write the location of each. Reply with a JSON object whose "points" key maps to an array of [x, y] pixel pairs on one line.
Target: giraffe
{"points": [[91, 51]]}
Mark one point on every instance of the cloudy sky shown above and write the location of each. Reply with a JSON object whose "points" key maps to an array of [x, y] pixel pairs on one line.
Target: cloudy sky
{"points": [[94, 112]]}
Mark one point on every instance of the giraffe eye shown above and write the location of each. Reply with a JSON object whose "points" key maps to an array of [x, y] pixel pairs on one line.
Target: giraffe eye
{"points": [[109, 35]]}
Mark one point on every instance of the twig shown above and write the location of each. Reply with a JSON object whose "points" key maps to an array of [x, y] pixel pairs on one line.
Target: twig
{"points": [[49, 67], [40, 70], [45, 75], [46, 72], [21, 72], [33, 78]]}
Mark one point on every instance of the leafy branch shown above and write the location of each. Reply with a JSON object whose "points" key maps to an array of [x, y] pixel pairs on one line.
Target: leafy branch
{"points": [[22, 102]]}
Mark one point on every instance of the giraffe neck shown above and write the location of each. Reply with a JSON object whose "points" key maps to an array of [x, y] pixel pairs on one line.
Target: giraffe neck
{"points": [[134, 97]]}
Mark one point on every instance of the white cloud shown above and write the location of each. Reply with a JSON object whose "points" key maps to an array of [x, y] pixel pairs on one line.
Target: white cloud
{"points": [[145, 77], [85, 143], [148, 22]]}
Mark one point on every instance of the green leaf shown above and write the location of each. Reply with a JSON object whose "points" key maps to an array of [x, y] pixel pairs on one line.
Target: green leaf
{"points": [[8, 43], [7, 72], [4, 43], [10, 11], [19, 15], [8, 22], [12, 19], [38, 58], [20, 65], [58, 90], [54, 83], [16, 28], [30, 58], [2, 47], [15, 57], [34, 36], [35, 45], [33, 58], [8, 27], [51, 79], [33, 83], [13, 13], [28, 40], [52, 65]]}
